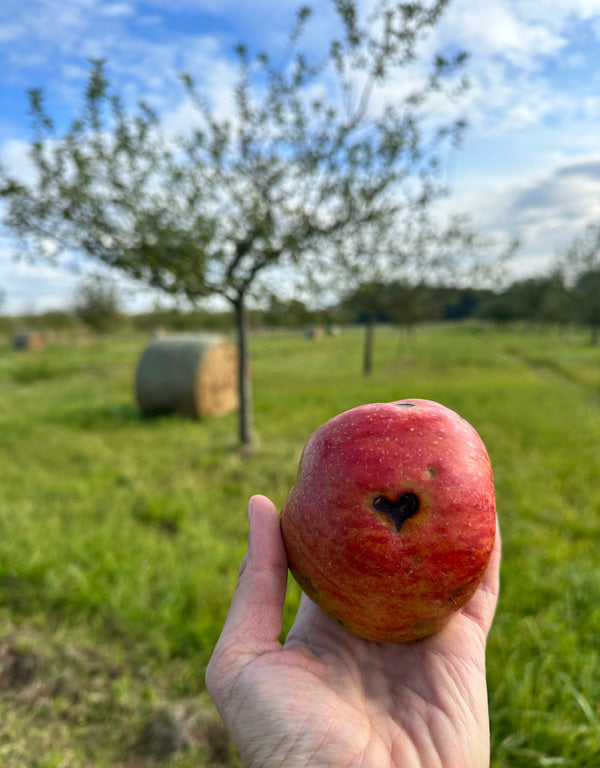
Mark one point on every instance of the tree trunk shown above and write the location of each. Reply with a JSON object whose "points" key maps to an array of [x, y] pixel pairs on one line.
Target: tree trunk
{"points": [[368, 348], [405, 333], [244, 381]]}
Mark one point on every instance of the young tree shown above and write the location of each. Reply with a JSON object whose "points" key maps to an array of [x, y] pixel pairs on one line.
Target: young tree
{"points": [[323, 150], [396, 301], [581, 264], [419, 253], [557, 303], [586, 293], [369, 301], [97, 303]]}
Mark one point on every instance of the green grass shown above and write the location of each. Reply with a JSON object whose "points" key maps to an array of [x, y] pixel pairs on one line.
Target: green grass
{"points": [[121, 536]]}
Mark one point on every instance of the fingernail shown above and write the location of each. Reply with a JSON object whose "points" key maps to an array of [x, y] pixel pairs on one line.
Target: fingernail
{"points": [[251, 506]]}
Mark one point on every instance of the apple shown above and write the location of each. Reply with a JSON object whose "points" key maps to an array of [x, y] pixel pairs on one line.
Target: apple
{"points": [[390, 524]]}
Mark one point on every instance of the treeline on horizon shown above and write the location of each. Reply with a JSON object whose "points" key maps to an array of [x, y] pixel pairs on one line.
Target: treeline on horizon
{"points": [[544, 300]]}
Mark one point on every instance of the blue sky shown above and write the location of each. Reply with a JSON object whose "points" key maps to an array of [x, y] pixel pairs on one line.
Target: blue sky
{"points": [[529, 165]]}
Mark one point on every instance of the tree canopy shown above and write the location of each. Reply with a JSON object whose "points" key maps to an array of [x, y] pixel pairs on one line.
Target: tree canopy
{"points": [[325, 154]]}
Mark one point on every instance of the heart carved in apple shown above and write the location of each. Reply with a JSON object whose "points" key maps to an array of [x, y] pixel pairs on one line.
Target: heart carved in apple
{"points": [[390, 524]]}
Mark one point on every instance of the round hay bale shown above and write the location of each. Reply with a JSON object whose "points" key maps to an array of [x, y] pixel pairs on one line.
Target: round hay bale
{"points": [[313, 333], [194, 375], [26, 339], [158, 332]]}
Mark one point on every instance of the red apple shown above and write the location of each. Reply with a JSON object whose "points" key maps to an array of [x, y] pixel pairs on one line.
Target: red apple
{"points": [[391, 522]]}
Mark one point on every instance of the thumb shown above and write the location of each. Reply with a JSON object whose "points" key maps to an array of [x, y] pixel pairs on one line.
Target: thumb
{"points": [[253, 625]]}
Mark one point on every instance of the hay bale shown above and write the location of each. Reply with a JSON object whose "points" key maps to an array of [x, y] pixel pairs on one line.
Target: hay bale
{"points": [[158, 332], [26, 339], [315, 333], [194, 375]]}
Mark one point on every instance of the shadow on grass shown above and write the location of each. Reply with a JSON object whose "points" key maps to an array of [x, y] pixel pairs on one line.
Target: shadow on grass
{"points": [[98, 416]]}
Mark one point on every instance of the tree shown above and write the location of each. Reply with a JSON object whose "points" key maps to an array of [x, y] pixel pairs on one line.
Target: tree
{"points": [[581, 264], [414, 255], [370, 303], [412, 304], [280, 312], [461, 303], [538, 299], [586, 293], [323, 151], [557, 302], [397, 302], [97, 303]]}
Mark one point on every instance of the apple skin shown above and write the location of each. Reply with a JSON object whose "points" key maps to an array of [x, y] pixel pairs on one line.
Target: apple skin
{"points": [[387, 570]]}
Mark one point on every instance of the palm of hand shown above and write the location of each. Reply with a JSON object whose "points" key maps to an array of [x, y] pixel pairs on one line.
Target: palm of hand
{"points": [[350, 702], [327, 698]]}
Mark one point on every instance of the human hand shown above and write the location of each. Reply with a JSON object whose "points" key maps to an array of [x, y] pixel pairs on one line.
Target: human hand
{"points": [[328, 698]]}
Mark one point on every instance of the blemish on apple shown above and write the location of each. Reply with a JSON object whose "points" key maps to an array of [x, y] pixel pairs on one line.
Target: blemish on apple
{"points": [[307, 585], [425, 627], [398, 510]]}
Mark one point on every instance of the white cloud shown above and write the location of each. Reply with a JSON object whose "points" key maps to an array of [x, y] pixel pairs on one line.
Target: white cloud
{"points": [[500, 29], [32, 287], [520, 53], [15, 157], [27, 287], [527, 166], [545, 211], [117, 10]]}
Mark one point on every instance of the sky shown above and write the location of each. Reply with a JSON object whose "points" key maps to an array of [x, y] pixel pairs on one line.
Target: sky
{"points": [[528, 167]]}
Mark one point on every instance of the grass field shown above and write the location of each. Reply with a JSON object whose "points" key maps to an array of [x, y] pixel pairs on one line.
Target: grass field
{"points": [[121, 536]]}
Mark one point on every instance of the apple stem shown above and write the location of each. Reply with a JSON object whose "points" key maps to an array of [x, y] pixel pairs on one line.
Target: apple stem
{"points": [[399, 510]]}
